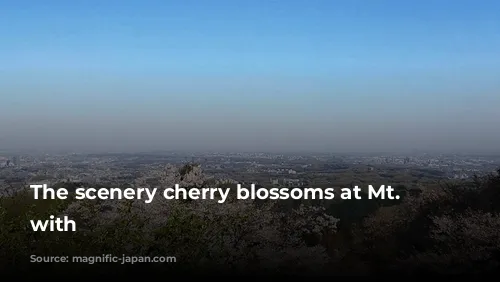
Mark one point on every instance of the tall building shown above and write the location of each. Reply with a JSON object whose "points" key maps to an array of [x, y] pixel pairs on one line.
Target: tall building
{"points": [[15, 161]]}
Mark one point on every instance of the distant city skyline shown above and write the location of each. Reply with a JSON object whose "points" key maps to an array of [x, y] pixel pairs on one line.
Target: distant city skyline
{"points": [[6, 153], [318, 75]]}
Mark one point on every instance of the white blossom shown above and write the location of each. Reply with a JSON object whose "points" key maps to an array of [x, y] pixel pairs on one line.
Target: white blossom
{"points": [[235, 232]]}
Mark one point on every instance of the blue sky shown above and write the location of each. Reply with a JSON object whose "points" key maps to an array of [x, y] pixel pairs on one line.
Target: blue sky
{"points": [[114, 66]]}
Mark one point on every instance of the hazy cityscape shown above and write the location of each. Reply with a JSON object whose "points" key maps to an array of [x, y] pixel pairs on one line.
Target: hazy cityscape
{"points": [[266, 169], [297, 97]]}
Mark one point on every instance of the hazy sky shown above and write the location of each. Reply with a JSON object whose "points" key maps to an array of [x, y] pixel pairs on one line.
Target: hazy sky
{"points": [[347, 75]]}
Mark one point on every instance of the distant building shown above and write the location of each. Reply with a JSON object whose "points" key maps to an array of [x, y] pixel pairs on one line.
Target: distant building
{"points": [[292, 182], [3, 162]]}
